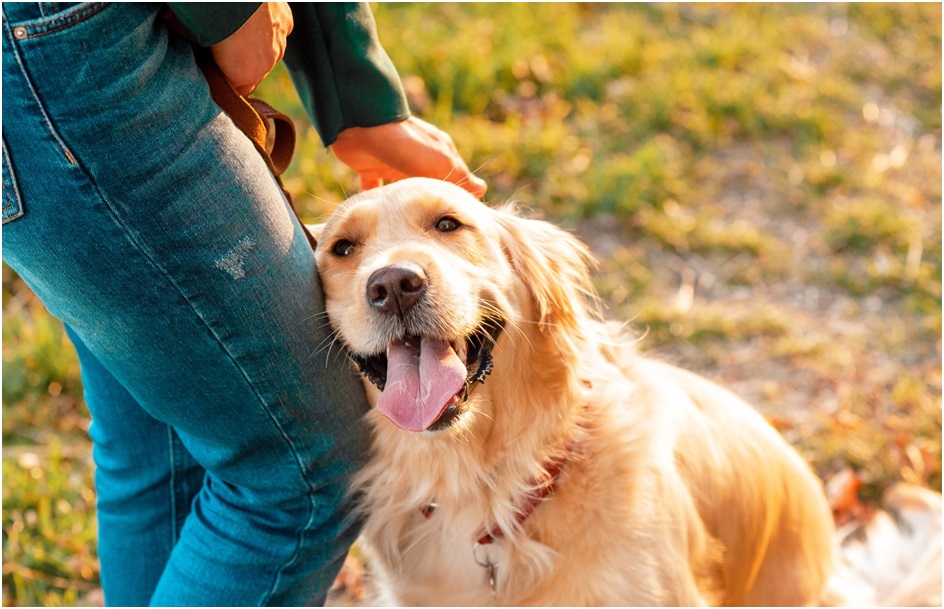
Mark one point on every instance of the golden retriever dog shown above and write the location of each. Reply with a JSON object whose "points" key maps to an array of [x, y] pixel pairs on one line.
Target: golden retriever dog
{"points": [[524, 452]]}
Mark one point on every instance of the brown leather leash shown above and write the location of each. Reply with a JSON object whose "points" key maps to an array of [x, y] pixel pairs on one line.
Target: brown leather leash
{"points": [[271, 132]]}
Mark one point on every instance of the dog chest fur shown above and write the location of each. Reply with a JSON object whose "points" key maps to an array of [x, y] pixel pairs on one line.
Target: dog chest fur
{"points": [[674, 491]]}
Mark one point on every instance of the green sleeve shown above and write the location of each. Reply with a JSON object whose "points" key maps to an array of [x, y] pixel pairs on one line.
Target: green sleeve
{"points": [[342, 74], [208, 23]]}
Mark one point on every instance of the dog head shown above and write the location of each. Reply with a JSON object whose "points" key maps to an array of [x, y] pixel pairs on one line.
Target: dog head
{"points": [[430, 291]]}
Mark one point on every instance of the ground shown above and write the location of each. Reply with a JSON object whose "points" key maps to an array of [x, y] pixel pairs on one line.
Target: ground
{"points": [[760, 183]]}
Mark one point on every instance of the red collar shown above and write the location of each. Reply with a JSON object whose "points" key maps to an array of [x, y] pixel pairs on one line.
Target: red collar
{"points": [[545, 487], [542, 488]]}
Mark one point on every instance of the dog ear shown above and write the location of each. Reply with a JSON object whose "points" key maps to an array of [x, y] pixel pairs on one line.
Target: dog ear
{"points": [[315, 230], [555, 266]]}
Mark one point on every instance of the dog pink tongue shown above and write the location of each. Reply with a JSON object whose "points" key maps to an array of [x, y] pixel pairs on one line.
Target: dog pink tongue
{"points": [[420, 384]]}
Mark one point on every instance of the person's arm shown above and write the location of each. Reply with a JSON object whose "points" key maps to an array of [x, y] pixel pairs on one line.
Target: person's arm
{"points": [[342, 74], [345, 79], [246, 40], [353, 95], [209, 23]]}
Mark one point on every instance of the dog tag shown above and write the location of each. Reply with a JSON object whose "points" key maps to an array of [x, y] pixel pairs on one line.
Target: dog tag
{"points": [[492, 575], [481, 556]]}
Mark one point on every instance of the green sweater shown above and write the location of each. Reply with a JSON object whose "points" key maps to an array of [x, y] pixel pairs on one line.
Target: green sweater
{"points": [[342, 74]]}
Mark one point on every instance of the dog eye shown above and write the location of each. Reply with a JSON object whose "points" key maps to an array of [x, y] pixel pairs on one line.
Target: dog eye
{"points": [[343, 248], [447, 224]]}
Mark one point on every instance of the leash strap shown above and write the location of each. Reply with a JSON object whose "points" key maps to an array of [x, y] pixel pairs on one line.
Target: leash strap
{"points": [[271, 132]]}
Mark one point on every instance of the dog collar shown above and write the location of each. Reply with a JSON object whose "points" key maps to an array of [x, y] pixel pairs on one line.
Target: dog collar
{"points": [[543, 487], [482, 551]]}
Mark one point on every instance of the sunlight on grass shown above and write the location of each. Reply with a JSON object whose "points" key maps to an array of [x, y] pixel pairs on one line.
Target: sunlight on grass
{"points": [[761, 183]]}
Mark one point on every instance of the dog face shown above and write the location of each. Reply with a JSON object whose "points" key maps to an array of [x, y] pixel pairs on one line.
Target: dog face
{"points": [[423, 282], [694, 498]]}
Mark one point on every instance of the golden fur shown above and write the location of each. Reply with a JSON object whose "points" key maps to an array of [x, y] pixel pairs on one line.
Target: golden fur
{"points": [[675, 491]]}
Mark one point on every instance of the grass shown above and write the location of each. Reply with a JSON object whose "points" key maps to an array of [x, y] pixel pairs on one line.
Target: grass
{"points": [[761, 183]]}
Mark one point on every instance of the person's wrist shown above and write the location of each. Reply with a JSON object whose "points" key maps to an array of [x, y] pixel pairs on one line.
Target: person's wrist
{"points": [[357, 134]]}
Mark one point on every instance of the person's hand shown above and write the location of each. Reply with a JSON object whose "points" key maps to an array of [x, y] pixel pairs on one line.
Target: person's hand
{"points": [[249, 53], [408, 148]]}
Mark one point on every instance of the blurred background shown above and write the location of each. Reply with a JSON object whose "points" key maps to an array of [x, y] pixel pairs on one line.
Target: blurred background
{"points": [[761, 185]]}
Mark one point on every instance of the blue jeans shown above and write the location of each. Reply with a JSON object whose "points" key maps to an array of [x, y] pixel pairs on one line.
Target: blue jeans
{"points": [[224, 433]]}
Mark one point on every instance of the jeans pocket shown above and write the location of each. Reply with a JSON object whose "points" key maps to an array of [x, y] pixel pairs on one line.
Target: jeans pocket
{"points": [[35, 19], [12, 203]]}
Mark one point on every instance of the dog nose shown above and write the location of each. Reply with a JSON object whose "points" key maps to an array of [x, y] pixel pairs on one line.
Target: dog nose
{"points": [[395, 289]]}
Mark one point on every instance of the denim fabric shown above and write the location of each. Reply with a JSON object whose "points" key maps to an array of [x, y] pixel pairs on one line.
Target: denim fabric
{"points": [[224, 435]]}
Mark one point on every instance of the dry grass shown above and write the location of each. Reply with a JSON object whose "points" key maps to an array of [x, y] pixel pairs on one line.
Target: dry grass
{"points": [[762, 185]]}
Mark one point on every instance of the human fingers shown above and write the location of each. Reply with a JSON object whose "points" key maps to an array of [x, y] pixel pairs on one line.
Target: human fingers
{"points": [[402, 149], [418, 148], [250, 53], [368, 182]]}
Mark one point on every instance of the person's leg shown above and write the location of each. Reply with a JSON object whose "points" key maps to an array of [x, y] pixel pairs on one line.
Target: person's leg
{"points": [[146, 481], [153, 229]]}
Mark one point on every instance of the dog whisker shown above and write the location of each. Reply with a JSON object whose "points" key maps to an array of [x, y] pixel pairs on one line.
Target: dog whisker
{"points": [[341, 186], [484, 163], [312, 195], [320, 325], [326, 343], [323, 315], [451, 171], [338, 355], [513, 326], [686, 490], [468, 179]]}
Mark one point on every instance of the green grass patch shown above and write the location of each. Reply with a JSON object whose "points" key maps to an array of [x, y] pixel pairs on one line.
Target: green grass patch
{"points": [[49, 535], [763, 180]]}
